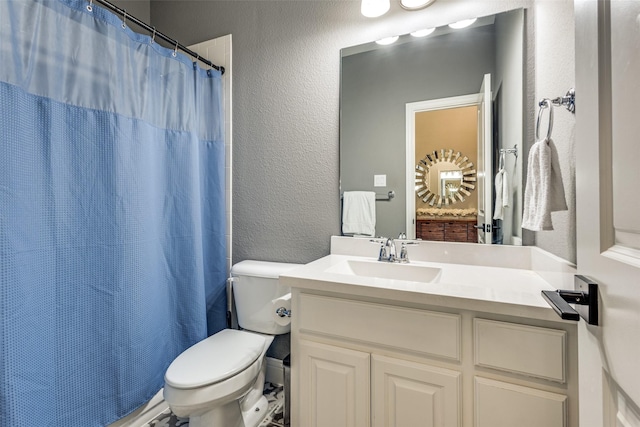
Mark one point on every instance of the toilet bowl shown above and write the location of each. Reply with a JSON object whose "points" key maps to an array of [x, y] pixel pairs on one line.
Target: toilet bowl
{"points": [[219, 381]]}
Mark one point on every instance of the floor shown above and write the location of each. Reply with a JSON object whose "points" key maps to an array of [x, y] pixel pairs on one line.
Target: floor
{"points": [[274, 418]]}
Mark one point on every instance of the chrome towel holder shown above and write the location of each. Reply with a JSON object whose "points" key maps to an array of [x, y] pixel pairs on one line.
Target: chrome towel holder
{"points": [[569, 101]]}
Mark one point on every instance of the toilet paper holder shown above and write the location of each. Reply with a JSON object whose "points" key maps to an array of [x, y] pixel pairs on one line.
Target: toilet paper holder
{"points": [[283, 312]]}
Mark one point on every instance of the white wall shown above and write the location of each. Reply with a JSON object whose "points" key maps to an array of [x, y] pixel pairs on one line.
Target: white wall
{"points": [[555, 74], [286, 105]]}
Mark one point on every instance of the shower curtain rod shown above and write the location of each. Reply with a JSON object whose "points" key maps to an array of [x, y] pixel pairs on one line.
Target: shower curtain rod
{"points": [[155, 32]]}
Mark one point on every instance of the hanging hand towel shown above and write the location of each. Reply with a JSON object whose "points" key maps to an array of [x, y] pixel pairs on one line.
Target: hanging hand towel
{"points": [[502, 194], [544, 191], [359, 213]]}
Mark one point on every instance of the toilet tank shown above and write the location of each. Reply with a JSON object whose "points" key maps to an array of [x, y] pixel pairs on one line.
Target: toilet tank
{"points": [[255, 286]]}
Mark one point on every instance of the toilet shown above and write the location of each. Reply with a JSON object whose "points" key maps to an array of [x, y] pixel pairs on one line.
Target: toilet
{"points": [[219, 381]]}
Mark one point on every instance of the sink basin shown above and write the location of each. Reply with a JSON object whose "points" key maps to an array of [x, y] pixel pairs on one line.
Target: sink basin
{"points": [[385, 270]]}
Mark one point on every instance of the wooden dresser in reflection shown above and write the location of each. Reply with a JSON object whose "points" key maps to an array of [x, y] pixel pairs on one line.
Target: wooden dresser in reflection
{"points": [[447, 230]]}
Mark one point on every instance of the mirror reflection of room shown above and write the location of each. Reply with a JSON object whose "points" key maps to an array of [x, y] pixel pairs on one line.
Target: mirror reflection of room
{"points": [[380, 83], [451, 213]]}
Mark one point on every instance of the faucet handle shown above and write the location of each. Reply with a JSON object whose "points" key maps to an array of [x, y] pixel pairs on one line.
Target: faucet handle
{"points": [[382, 255], [404, 255]]}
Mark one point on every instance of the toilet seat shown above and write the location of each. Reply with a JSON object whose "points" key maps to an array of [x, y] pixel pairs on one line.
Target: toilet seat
{"points": [[215, 359]]}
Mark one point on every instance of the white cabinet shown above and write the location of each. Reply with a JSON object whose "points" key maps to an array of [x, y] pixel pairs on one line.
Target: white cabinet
{"points": [[406, 394], [340, 387], [334, 388], [364, 363], [502, 404]]}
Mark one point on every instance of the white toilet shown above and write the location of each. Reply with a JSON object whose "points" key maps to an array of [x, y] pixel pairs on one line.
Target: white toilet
{"points": [[219, 381]]}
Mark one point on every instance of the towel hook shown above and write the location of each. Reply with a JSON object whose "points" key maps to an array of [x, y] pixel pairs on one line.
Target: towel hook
{"points": [[545, 103]]}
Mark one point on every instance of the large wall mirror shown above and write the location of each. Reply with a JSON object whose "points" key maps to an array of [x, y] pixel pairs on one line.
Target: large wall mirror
{"points": [[452, 103]]}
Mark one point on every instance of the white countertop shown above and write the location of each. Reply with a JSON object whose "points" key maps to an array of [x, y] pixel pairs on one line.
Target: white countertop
{"points": [[508, 283]]}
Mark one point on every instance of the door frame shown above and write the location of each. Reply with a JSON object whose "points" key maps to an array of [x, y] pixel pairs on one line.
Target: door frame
{"points": [[410, 116]]}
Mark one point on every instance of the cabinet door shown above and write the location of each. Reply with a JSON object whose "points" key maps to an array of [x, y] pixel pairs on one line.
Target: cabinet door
{"points": [[408, 394], [334, 386], [500, 404]]}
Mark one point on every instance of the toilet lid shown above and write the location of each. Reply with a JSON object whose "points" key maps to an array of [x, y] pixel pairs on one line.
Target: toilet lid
{"points": [[215, 359]]}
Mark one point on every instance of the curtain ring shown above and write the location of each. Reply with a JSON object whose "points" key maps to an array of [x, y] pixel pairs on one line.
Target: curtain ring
{"points": [[124, 20], [153, 36], [175, 51], [545, 103], [90, 6]]}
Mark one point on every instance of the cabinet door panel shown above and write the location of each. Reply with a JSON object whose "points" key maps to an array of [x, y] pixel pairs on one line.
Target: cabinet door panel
{"points": [[334, 386], [408, 394], [540, 352], [500, 404]]}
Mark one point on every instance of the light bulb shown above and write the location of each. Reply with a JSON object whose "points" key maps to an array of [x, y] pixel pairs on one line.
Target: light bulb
{"points": [[423, 33], [462, 24], [374, 8], [387, 40], [415, 4]]}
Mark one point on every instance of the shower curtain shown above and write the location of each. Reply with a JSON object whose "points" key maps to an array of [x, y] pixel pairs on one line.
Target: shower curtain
{"points": [[112, 213]]}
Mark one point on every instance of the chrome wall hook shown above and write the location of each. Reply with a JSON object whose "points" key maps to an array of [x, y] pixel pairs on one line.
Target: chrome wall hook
{"points": [[569, 100]]}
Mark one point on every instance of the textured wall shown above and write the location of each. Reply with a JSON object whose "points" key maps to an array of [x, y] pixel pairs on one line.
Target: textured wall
{"points": [[555, 74], [286, 106], [141, 9]]}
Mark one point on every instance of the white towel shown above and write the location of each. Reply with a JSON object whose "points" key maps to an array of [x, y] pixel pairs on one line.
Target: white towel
{"points": [[359, 213], [502, 194], [544, 191]]}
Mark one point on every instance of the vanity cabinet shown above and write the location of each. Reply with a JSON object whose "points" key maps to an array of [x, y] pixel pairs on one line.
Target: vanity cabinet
{"points": [[447, 230], [344, 387], [363, 362]]}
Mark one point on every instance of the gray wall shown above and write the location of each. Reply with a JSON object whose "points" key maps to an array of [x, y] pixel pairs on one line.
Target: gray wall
{"points": [[286, 107], [141, 9], [377, 84]]}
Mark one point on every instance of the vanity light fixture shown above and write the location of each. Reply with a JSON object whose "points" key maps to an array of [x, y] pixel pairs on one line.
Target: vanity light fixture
{"points": [[374, 8], [462, 24], [387, 40], [423, 33]]}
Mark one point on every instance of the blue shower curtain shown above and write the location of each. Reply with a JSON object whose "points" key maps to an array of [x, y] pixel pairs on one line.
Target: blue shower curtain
{"points": [[112, 213]]}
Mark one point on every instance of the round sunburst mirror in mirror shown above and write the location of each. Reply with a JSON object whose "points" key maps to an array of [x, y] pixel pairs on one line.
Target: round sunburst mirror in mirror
{"points": [[444, 178]]}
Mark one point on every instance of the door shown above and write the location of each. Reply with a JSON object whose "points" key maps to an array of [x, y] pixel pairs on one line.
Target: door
{"points": [[485, 170], [608, 221], [412, 109], [334, 386]]}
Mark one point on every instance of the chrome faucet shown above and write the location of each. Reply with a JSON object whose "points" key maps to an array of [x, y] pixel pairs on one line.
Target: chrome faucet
{"points": [[388, 251]]}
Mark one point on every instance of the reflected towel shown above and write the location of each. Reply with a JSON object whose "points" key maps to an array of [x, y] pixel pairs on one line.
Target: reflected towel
{"points": [[544, 191], [502, 194], [359, 213]]}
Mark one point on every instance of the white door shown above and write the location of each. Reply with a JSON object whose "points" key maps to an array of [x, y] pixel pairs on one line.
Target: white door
{"points": [[608, 208], [485, 171]]}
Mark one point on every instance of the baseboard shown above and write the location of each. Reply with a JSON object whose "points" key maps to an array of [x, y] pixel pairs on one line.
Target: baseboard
{"points": [[147, 412], [275, 373]]}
